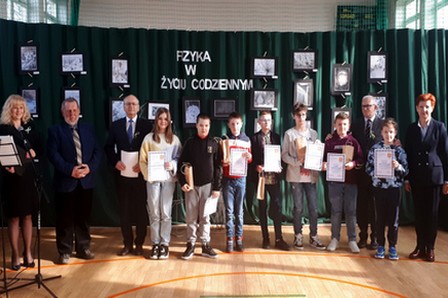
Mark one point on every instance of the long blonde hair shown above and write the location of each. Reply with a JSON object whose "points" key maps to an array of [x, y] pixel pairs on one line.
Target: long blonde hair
{"points": [[156, 129], [13, 100]]}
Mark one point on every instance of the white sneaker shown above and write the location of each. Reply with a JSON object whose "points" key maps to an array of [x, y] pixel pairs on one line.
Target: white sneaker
{"points": [[298, 242], [333, 244], [353, 247]]}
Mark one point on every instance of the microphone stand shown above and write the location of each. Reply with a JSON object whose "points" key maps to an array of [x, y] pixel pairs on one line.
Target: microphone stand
{"points": [[38, 278]]}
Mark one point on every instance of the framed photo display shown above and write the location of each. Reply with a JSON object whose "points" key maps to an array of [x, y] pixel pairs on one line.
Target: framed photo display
{"points": [[28, 59], [304, 93], [381, 102], [377, 67], [264, 67], [154, 106], [116, 110], [223, 107], [336, 111], [191, 110], [304, 60], [72, 63], [119, 72], [341, 80], [264, 99], [74, 93], [31, 96]]}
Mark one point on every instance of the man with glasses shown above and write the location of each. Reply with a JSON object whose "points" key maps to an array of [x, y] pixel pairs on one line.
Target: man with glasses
{"points": [[367, 131]]}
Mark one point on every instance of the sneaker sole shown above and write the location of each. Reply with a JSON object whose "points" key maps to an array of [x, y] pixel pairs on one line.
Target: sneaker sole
{"points": [[209, 256], [317, 247], [164, 257], [154, 257], [187, 257], [379, 257], [298, 247], [394, 259]]}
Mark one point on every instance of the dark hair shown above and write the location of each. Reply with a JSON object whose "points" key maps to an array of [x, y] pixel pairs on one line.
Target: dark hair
{"points": [[426, 97], [156, 129], [265, 112], [299, 108], [202, 116], [390, 121], [234, 115]]}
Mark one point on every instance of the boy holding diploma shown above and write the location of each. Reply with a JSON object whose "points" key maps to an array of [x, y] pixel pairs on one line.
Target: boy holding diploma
{"points": [[387, 189]]}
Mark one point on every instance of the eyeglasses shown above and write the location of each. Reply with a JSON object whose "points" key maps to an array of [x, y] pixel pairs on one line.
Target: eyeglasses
{"points": [[367, 106], [131, 104]]}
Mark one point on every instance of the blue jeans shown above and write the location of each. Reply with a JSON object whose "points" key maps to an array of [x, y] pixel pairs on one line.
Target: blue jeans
{"points": [[298, 190], [343, 198], [159, 204], [233, 192]]}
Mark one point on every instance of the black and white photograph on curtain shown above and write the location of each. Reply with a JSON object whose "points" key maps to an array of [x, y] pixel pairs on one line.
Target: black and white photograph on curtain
{"points": [[304, 93], [336, 111], [120, 74], [223, 107], [28, 59], [377, 67], [116, 110], [304, 60], [264, 99], [191, 109], [73, 93], [381, 102], [341, 80], [264, 67], [154, 106], [72, 63], [31, 96]]}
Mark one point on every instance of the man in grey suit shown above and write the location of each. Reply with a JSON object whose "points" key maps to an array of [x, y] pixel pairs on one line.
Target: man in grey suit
{"points": [[367, 131]]}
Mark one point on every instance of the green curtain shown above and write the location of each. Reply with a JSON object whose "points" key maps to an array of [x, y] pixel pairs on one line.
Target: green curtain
{"points": [[417, 63], [74, 8]]}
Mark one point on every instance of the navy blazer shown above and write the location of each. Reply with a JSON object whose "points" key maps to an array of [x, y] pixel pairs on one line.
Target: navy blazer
{"points": [[358, 128], [118, 137], [62, 154], [427, 158]]}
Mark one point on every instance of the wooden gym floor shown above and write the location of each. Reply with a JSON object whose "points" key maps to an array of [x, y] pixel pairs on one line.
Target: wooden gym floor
{"points": [[254, 273]]}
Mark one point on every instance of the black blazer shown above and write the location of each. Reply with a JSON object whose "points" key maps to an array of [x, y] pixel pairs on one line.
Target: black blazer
{"points": [[427, 158], [257, 150], [118, 136], [358, 132]]}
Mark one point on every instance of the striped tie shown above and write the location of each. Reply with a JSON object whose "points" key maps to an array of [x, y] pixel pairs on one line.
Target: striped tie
{"points": [[77, 142], [130, 132]]}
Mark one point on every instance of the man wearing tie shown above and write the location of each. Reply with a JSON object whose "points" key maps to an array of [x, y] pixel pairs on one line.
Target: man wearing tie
{"points": [[367, 131], [75, 154], [125, 138]]}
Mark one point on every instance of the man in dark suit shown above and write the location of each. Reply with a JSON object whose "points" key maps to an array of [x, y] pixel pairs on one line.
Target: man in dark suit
{"points": [[75, 154], [427, 152], [367, 131], [125, 137]]}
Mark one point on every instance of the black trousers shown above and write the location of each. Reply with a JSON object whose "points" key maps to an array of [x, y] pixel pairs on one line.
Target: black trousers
{"points": [[387, 203], [426, 204], [365, 207], [275, 211], [131, 194], [73, 220]]}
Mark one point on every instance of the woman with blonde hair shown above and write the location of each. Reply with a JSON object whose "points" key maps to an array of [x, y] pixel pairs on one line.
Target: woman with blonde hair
{"points": [[19, 192], [160, 188]]}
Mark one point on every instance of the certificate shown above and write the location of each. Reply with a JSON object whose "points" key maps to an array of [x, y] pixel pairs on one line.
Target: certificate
{"points": [[336, 167], [156, 166], [314, 156], [272, 158], [238, 163], [211, 205], [383, 167], [130, 159]]}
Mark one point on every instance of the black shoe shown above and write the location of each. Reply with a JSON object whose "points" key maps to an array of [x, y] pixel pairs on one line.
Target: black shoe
{"points": [[27, 263], [124, 251], [164, 252], [63, 259], [362, 243], [86, 254], [15, 267], [373, 245], [266, 244], [282, 245], [239, 244], [154, 252], [138, 251], [207, 251], [189, 252]]}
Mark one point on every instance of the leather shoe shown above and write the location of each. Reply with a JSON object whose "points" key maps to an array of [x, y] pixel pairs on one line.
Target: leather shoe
{"points": [[63, 259], [15, 267], [373, 245], [417, 254], [266, 244], [430, 256], [362, 243], [85, 254], [138, 251], [124, 251]]}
